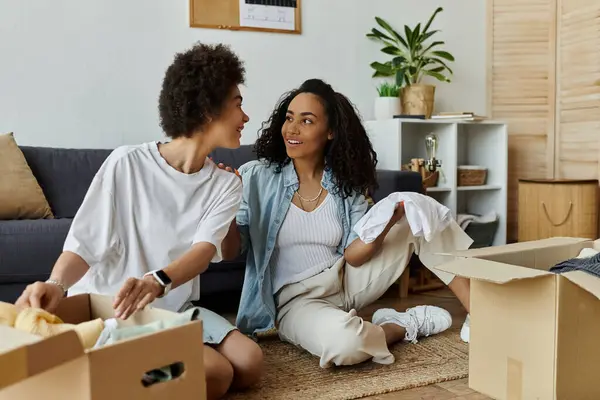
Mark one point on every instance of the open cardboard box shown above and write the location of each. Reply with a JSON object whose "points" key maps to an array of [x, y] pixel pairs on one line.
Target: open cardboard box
{"points": [[534, 334], [58, 367]]}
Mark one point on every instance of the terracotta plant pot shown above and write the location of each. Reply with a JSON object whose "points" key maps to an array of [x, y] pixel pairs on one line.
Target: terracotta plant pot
{"points": [[418, 100]]}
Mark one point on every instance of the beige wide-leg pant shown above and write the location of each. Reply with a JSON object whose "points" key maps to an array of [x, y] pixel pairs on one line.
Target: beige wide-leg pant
{"points": [[319, 314]]}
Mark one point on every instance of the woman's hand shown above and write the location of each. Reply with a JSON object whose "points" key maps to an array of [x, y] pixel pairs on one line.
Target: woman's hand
{"points": [[229, 169], [42, 295], [359, 252], [399, 213], [135, 295]]}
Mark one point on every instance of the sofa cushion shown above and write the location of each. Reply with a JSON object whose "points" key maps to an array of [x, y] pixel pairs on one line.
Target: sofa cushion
{"points": [[29, 248], [64, 174], [234, 157], [397, 181], [21, 196], [10, 292]]}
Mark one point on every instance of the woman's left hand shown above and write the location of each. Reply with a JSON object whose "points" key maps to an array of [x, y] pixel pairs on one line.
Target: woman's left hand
{"points": [[135, 295], [398, 213]]}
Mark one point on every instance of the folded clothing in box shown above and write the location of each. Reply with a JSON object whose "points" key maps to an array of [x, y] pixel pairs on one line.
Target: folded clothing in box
{"points": [[587, 261], [45, 355], [42, 323]]}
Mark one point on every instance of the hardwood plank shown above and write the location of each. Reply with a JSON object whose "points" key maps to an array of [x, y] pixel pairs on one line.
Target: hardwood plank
{"points": [[428, 392], [459, 387]]}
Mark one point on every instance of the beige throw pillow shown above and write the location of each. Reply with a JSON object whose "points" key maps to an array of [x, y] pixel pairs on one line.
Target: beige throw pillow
{"points": [[21, 197]]}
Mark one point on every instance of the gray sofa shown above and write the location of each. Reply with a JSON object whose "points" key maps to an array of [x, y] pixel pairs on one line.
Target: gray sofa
{"points": [[29, 248]]}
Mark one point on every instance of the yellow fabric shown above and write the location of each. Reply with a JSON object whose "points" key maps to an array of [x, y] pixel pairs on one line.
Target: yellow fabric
{"points": [[44, 324], [8, 314], [21, 196]]}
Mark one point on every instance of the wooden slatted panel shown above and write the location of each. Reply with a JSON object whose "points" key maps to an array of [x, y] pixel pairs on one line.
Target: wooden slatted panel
{"points": [[578, 96], [521, 84]]}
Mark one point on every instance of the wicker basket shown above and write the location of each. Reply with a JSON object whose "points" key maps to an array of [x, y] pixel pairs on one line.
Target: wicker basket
{"points": [[471, 175]]}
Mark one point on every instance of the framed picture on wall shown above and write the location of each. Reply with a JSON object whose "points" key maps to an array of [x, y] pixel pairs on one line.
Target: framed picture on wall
{"points": [[279, 16]]}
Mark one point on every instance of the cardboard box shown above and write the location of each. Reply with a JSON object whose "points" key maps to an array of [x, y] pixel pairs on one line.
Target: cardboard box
{"points": [[534, 334], [59, 368]]}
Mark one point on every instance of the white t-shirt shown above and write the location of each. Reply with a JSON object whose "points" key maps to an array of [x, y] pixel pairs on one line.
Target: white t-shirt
{"points": [[140, 214]]}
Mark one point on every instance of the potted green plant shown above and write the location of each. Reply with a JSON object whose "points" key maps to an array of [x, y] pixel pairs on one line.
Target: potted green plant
{"points": [[387, 103], [413, 58]]}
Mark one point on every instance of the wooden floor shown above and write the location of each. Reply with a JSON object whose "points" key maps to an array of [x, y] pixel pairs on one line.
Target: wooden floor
{"points": [[457, 390]]}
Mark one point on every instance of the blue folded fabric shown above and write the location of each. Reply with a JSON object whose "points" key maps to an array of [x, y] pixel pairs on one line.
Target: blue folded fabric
{"points": [[128, 332], [590, 265]]}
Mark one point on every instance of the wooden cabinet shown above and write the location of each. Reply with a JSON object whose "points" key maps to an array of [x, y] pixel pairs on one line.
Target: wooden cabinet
{"points": [[557, 207], [544, 82]]}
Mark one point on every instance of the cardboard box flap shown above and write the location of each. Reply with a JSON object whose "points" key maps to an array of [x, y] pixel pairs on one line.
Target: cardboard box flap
{"points": [[584, 280], [24, 357], [522, 246], [11, 338], [490, 271]]}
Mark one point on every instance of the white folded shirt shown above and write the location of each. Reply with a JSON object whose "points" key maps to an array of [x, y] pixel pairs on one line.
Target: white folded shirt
{"points": [[426, 217]]}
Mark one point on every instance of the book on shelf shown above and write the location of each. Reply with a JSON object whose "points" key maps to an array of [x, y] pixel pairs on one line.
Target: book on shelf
{"points": [[458, 116]]}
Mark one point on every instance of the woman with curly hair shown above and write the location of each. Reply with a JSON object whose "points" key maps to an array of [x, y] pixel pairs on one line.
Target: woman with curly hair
{"points": [[307, 272], [156, 213]]}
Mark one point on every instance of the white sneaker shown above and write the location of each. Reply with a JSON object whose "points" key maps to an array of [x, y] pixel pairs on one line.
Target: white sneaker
{"points": [[465, 331], [418, 321]]}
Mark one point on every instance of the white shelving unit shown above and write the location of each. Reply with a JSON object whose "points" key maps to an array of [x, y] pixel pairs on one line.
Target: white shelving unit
{"points": [[485, 143]]}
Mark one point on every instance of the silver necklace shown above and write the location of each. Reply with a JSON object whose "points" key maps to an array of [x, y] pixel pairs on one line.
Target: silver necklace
{"points": [[310, 200]]}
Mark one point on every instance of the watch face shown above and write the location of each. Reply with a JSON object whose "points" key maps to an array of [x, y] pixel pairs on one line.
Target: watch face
{"points": [[163, 277]]}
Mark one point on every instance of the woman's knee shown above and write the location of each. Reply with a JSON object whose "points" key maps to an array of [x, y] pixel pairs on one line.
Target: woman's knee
{"points": [[245, 356], [352, 342], [219, 373]]}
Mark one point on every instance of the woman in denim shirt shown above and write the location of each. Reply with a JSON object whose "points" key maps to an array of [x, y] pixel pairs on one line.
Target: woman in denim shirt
{"points": [[307, 273]]}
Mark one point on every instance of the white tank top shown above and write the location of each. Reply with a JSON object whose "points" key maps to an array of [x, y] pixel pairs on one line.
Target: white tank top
{"points": [[306, 244]]}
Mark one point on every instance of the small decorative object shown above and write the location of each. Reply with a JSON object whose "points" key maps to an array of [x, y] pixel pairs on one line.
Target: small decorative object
{"points": [[471, 175], [413, 59], [430, 179], [387, 105], [431, 146]]}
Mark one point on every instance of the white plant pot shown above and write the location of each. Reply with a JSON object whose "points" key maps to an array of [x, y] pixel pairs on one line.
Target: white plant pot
{"points": [[387, 107]]}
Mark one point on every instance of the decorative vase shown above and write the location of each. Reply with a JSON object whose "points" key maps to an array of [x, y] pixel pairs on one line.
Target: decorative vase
{"points": [[418, 99], [387, 107]]}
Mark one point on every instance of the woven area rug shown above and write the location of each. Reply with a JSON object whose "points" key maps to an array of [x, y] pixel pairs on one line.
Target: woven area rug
{"points": [[295, 374]]}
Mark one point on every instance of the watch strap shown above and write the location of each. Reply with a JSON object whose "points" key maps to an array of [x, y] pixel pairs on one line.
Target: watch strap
{"points": [[163, 280]]}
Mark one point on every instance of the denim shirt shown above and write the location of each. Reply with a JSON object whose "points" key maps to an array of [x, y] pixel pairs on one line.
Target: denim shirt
{"points": [[266, 199]]}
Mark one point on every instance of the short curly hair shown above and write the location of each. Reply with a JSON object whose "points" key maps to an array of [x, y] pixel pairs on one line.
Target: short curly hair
{"points": [[196, 86], [350, 154]]}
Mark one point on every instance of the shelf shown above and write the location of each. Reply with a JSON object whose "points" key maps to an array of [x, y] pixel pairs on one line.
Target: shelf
{"points": [[459, 143], [439, 189], [474, 188], [448, 121]]}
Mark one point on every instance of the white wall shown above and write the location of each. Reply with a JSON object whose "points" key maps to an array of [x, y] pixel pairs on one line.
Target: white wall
{"points": [[87, 73]]}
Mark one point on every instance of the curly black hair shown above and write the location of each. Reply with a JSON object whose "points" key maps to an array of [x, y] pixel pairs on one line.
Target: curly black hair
{"points": [[349, 154], [196, 86]]}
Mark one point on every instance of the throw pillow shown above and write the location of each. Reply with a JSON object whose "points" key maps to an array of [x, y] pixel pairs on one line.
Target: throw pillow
{"points": [[21, 196]]}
